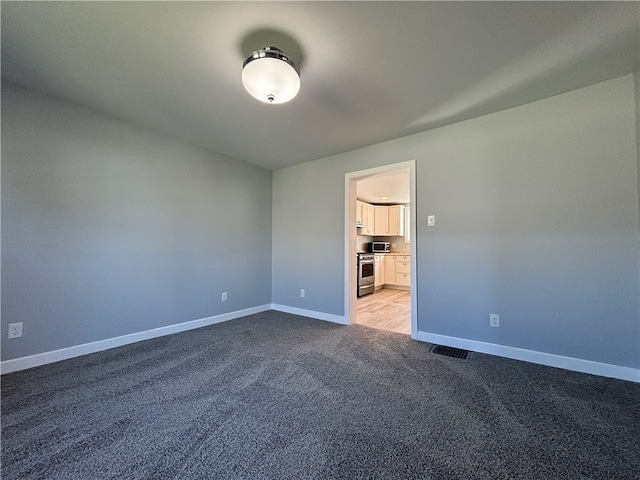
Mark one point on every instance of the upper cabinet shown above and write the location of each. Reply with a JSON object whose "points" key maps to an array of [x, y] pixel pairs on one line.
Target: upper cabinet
{"points": [[389, 220], [381, 223], [396, 220], [380, 220], [365, 218], [369, 218], [359, 209]]}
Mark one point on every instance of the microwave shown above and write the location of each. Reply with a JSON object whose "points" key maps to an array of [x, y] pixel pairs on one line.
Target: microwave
{"points": [[379, 247]]}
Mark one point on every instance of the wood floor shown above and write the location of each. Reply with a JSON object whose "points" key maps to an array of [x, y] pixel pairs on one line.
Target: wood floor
{"points": [[386, 309]]}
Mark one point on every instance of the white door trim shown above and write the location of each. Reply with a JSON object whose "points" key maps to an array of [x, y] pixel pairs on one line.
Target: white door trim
{"points": [[350, 269]]}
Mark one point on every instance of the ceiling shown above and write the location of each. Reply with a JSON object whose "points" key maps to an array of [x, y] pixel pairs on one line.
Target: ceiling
{"points": [[370, 71], [392, 185]]}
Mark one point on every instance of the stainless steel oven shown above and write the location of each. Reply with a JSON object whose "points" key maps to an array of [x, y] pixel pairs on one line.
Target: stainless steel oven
{"points": [[366, 278]]}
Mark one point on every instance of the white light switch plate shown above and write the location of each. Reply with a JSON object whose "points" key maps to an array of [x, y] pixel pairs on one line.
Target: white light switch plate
{"points": [[431, 221]]}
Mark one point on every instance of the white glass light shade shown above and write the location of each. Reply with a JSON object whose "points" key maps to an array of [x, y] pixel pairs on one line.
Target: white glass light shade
{"points": [[270, 76]]}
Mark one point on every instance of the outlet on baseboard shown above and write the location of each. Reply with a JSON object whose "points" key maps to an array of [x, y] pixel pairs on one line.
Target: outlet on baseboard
{"points": [[494, 320], [15, 330], [302, 292], [224, 296]]}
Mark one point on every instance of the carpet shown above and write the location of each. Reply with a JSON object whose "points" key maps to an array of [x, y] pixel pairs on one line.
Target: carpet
{"points": [[279, 396]]}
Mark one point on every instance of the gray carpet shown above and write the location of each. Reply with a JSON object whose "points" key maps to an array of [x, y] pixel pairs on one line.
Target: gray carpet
{"points": [[279, 396]]}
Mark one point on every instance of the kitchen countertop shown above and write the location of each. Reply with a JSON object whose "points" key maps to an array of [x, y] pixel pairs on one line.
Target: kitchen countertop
{"points": [[393, 253], [386, 253]]}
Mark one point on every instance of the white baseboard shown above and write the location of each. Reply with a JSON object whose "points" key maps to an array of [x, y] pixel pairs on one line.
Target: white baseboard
{"points": [[549, 359], [328, 317], [30, 361], [559, 361]]}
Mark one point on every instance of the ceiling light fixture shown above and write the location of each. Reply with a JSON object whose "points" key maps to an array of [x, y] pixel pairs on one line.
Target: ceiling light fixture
{"points": [[270, 76]]}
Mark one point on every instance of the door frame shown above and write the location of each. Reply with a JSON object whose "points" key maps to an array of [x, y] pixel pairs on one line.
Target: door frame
{"points": [[350, 262]]}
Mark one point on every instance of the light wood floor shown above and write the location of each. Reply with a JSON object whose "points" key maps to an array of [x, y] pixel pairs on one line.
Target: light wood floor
{"points": [[386, 309]]}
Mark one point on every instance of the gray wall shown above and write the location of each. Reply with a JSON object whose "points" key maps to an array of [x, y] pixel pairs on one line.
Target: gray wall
{"points": [[636, 77], [110, 229], [537, 221]]}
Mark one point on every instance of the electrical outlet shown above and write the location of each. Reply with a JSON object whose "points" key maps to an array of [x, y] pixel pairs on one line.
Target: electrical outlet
{"points": [[431, 221], [302, 292], [15, 330], [224, 296], [494, 320]]}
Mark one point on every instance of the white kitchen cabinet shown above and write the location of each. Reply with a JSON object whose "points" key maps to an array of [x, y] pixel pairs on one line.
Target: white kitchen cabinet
{"points": [[359, 212], [365, 216], [396, 220], [397, 271], [378, 270], [368, 217], [389, 220], [390, 269], [381, 223], [404, 259], [403, 279], [403, 270]]}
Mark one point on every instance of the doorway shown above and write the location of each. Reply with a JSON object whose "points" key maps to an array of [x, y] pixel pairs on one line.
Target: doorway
{"points": [[392, 299]]}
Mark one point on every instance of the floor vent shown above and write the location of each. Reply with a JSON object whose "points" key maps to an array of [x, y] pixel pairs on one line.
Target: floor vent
{"points": [[450, 351]]}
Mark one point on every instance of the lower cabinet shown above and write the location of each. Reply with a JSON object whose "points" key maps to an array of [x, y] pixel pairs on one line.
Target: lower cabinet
{"points": [[403, 279], [390, 269], [397, 270], [378, 270], [403, 270]]}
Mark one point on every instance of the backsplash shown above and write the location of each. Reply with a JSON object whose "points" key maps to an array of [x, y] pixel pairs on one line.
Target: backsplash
{"points": [[400, 246], [362, 243]]}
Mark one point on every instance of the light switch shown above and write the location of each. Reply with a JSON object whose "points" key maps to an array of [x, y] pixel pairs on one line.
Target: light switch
{"points": [[431, 221]]}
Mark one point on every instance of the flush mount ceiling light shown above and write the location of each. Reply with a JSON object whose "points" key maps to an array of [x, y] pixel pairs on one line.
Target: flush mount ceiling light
{"points": [[270, 76]]}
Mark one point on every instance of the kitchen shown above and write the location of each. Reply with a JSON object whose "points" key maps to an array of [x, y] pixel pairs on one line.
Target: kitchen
{"points": [[383, 251]]}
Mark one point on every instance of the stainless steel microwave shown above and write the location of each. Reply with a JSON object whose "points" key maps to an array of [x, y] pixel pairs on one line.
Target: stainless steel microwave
{"points": [[379, 247]]}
